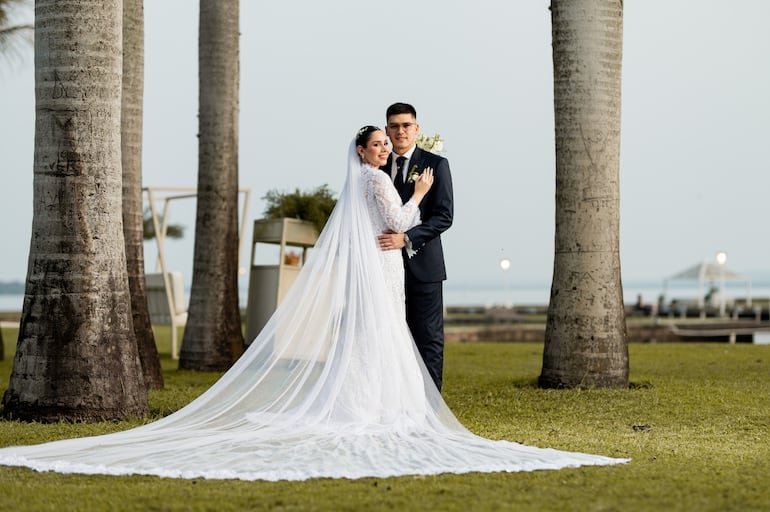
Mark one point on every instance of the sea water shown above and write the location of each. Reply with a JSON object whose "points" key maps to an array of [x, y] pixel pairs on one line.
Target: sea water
{"points": [[533, 294], [537, 294]]}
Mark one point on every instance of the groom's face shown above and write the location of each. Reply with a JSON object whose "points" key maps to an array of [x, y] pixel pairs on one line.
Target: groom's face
{"points": [[402, 130]]}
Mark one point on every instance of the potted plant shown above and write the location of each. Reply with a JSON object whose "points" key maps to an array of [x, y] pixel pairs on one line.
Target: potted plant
{"points": [[313, 206]]}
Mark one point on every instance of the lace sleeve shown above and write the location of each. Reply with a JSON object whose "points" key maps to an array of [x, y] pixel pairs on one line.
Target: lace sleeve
{"points": [[397, 217]]}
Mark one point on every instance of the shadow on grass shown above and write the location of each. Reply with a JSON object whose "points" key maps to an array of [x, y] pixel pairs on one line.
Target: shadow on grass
{"points": [[531, 383]]}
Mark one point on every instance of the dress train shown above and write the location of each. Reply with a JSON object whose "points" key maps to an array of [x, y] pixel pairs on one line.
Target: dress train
{"points": [[333, 386]]}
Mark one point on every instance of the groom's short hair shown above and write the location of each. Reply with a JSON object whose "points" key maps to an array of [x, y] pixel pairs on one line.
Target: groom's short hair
{"points": [[400, 108]]}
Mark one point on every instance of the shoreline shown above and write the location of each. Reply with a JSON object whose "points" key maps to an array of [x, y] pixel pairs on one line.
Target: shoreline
{"points": [[506, 325]]}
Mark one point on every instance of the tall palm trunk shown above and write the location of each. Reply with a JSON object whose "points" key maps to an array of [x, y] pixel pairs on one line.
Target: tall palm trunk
{"points": [[213, 337], [133, 215], [76, 356], [585, 338]]}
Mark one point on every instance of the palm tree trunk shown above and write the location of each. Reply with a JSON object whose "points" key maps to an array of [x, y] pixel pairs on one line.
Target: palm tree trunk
{"points": [[585, 339], [76, 357], [133, 214], [213, 337]]}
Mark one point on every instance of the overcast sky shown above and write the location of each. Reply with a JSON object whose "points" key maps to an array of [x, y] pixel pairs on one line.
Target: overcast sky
{"points": [[696, 121]]}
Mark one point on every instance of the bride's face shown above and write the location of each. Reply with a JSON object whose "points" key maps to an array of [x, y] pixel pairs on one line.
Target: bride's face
{"points": [[376, 151]]}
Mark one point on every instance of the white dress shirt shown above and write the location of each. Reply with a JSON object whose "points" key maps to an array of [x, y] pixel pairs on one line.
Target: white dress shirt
{"points": [[394, 166]]}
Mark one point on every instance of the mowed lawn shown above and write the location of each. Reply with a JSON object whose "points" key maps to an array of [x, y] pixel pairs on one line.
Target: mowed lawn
{"points": [[695, 421]]}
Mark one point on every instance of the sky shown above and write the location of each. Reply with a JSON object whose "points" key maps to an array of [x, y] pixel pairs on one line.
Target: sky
{"points": [[694, 167]]}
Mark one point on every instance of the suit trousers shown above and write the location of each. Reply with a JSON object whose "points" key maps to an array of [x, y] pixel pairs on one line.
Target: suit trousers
{"points": [[425, 317]]}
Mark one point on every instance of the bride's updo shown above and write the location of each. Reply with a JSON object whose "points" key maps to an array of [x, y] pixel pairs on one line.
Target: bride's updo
{"points": [[364, 134]]}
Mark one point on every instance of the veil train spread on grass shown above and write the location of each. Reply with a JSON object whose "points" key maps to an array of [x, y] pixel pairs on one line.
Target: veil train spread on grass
{"points": [[332, 387]]}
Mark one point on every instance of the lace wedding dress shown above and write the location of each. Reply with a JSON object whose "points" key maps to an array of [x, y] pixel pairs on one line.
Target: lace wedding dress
{"points": [[333, 386]]}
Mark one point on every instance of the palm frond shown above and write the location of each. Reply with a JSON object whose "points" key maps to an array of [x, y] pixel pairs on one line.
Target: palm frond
{"points": [[15, 35]]}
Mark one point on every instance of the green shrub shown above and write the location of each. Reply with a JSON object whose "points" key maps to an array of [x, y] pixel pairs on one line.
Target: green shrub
{"points": [[314, 206]]}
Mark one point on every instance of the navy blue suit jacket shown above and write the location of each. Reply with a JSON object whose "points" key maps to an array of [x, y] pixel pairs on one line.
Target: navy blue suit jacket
{"points": [[436, 211]]}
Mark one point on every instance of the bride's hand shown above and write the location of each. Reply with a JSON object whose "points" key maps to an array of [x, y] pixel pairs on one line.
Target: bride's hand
{"points": [[422, 184]]}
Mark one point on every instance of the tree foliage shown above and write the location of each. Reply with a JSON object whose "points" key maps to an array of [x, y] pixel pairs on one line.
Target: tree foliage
{"points": [[14, 36], [172, 230], [314, 206]]}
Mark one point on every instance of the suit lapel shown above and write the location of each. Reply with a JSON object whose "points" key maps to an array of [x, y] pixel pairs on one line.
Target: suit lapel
{"points": [[407, 189], [415, 163]]}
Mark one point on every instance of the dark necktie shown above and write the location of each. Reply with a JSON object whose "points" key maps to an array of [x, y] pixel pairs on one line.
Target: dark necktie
{"points": [[399, 179]]}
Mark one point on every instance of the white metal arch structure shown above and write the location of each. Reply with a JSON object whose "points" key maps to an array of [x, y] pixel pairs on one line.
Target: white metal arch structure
{"points": [[177, 313]]}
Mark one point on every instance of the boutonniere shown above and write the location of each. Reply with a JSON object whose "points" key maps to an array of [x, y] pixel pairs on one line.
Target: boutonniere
{"points": [[413, 175]]}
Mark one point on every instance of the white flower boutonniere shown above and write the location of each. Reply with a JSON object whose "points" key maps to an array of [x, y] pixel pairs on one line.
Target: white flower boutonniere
{"points": [[413, 174], [434, 144]]}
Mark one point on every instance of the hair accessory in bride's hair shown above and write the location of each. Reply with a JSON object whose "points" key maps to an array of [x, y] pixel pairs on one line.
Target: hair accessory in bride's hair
{"points": [[362, 134]]}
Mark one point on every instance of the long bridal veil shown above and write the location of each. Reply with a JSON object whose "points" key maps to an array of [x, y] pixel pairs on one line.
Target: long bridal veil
{"points": [[332, 387]]}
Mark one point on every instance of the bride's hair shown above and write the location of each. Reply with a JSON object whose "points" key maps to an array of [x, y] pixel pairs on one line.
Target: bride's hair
{"points": [[364, 134]]}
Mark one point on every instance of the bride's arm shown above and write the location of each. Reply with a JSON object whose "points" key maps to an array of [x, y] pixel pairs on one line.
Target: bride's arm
{"points": [[398, 217]]}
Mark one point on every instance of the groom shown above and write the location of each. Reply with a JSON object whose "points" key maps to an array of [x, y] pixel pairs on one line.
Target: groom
{"points": [[423, 255]]}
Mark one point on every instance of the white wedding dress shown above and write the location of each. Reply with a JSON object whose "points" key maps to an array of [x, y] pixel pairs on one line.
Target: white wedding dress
{"points": [[333, 386]]}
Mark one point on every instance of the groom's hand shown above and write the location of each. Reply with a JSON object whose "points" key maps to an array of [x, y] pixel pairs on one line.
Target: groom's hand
{"points": [[391, 241]]}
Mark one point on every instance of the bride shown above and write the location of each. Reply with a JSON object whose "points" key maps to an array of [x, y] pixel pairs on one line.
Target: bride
{"points": [[333, 386]]}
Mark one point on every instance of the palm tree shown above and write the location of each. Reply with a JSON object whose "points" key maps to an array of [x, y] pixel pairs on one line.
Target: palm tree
{"points": [[148, 228], [76, 357], [585, 339], [213, 337], [133, 215]]}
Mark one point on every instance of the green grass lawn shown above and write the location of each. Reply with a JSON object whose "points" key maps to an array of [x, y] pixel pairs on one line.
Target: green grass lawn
{"points": [[696, 423]]}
